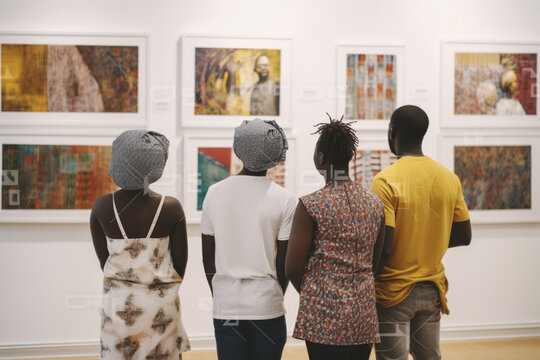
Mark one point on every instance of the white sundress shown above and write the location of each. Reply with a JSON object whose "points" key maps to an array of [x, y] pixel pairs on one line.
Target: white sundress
{"points": [[141, 317]]}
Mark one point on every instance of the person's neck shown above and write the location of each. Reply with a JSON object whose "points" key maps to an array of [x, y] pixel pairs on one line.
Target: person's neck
{"points": [[252, 173], [409, 151], [337, 175]]}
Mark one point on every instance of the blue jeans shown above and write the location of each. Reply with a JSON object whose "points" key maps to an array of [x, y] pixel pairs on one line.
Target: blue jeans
{"points": [[250, 339], [412, 326]]}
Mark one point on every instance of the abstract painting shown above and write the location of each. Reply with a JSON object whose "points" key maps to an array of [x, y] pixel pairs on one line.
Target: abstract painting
{"points": [[46, 177], [495, 83], [217, 163], [368, 163], [232, 81], [371, 86], [494, 177], [70, 78]]}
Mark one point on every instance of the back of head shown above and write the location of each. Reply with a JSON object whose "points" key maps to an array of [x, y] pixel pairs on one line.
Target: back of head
{"points": [[410, 124], [260, 144], [138, 158], [337, 141]]}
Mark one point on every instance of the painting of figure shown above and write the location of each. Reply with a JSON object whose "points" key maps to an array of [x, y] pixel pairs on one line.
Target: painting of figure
{"points": [[494, 177], [69, 78], [217, 163], [371, 86], [237, 81], [368, 163], [495, 84], [64, 177]]}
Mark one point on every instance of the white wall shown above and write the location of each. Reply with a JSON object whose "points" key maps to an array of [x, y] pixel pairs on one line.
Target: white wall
{"points": [[50, 280]]}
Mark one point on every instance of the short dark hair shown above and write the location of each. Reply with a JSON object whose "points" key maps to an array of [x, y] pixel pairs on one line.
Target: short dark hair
{"points": [[337, 141], [410, 123]]}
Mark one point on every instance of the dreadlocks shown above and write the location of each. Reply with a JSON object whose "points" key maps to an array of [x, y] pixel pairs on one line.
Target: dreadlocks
{"points": [[337, 141]]}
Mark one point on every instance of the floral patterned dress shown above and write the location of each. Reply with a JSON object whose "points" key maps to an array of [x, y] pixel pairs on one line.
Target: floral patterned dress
{"points": [[141, 307], [337, 297]]}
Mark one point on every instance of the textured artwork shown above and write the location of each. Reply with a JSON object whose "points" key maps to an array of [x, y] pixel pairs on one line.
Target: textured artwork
{"points": [[217, 163], [54, 176], [494, 177], [68, 78], [495, 84], [237, 81], [371, 86], [368, 163]]}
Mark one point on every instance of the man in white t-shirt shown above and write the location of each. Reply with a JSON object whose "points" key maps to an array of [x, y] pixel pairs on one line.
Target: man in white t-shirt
{"points": [[246, 222]]}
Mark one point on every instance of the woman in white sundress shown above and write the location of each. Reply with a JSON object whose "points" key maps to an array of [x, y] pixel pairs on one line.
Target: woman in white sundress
{"points": [[140, 239]]}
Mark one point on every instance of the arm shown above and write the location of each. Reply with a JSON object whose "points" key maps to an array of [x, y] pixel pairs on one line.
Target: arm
{"points": [[461, 234], [209, 260], [300, 243], [378, 248], [179, 244], [387, 248], [280, 264], [99, 239]]}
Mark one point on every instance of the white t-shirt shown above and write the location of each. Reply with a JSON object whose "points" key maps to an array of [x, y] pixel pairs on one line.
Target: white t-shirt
{"points": [[246, 215]]}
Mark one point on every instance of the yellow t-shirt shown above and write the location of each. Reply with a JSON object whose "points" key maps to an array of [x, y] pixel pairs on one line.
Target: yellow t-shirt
{"points": [[421, 200]]}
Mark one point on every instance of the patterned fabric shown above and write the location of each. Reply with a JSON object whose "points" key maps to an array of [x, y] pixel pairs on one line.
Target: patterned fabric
{"points": [[337, 297], [141, 316]]}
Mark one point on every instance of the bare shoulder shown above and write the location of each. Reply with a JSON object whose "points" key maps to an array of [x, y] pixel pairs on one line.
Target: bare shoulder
{"points": [[173, 207], [102, 203]]}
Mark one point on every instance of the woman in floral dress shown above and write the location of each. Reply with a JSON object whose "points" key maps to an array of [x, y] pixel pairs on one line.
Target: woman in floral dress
{"points": [[335, 244]]}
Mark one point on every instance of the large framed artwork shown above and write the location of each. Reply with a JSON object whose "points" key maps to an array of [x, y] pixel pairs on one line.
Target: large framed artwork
{"points": [[499, 175], [80, 81], [224, 81], [52, 179], [370, 83], [208, 160], [489, 85], [370, 158]]}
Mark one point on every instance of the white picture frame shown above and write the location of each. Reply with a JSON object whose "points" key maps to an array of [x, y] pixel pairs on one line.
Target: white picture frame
{"points": [[12, 180], [481, 92], [68, 122], [342, 88], [506, 179], [187, 79], [191, 181]]}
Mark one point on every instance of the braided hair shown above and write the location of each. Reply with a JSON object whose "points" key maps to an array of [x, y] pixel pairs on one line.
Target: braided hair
{"points": [[337, 141]]}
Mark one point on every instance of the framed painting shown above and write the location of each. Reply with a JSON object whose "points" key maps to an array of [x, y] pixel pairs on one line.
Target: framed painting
{"points": [[499, 179], [370, 158], [224, 81], [370, 84], [208, 160], [489, 85], [80, 81], [52, 179]]}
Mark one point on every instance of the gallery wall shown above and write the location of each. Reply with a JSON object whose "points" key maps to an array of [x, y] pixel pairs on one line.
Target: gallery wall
{"points": [[50, 280]]}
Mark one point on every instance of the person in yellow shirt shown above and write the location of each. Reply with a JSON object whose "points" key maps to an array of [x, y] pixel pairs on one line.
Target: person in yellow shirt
{"points": [[425, 214]]}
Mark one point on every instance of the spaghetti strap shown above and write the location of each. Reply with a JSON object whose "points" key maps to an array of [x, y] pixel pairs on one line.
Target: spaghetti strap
{"points": [[117, 217], [158, 211]]}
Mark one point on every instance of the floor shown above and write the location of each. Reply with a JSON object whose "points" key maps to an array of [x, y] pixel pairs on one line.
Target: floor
{"points": [[500, 349]]}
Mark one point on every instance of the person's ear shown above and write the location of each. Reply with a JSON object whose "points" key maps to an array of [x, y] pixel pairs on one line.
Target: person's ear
{"points": [[320, 158]]}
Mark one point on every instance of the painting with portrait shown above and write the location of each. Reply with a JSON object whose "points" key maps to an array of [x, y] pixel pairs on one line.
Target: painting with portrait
{"points": [[495, 83], [494, 177], [232, 81]]}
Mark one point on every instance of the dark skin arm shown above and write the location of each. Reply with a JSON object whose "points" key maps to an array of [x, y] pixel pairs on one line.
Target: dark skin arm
{"points": [[386, 248], [209, 258], [378, 248], [98, 237], [300, 244], [178, 241], [461, 234], [280, 264]]}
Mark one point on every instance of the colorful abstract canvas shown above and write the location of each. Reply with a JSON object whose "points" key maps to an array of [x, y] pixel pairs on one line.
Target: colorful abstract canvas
{"points": [[69, 78], [494, 177], [371, 86], [54, 176], [495, 84], [368, 163], [217, 163], [237, 81]]}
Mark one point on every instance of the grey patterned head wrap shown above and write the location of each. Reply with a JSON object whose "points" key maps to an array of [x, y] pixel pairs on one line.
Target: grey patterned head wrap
{"points": [[260, 144], [138, 158]]}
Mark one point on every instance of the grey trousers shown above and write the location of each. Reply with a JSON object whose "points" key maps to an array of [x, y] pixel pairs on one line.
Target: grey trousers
{"points": [[412, 326]]}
